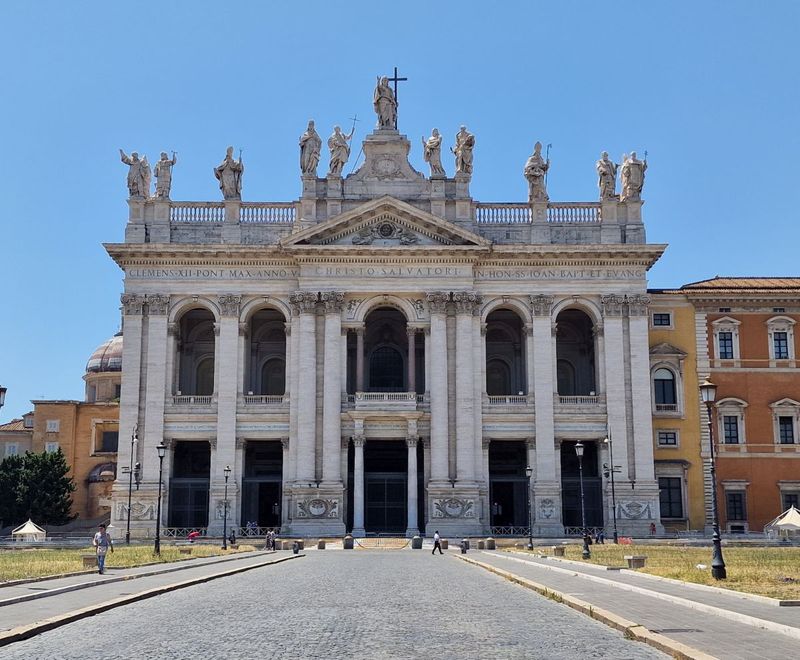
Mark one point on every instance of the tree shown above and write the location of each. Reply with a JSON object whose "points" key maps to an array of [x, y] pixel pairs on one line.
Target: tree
{"points": [[36, 486]]}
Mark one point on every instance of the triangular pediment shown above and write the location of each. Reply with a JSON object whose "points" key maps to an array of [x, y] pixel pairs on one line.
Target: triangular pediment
{"points": [[385, 222], [667, 349]]}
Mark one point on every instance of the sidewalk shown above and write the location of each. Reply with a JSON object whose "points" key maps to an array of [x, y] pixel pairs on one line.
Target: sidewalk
{"points": [[725, 625], [27, 604]]}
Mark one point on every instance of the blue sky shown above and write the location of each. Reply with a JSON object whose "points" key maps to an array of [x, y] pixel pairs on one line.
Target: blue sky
{"points": [[709, 89]]}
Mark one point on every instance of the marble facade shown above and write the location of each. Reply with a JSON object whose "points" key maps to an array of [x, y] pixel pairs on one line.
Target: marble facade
{"points": [[432, 265]]}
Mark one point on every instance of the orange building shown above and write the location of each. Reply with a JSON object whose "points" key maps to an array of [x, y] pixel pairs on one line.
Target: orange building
{"points": [[87, 432], [748, 347]]}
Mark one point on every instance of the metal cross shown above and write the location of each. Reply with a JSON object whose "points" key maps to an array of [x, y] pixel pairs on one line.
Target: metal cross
{"points": [[395, 79]]}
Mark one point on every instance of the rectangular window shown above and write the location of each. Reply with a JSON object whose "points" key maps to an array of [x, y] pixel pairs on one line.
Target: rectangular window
{"points": [[12, 449], [730, 429], [736, 506], [109, 442], [27, 422], [669, 489], [786, 430], [662, 319], [780, 345], [778, 310], [725, 341], [724, 310], [51, 447], [53, 425], [791, 500], [668, 438]]}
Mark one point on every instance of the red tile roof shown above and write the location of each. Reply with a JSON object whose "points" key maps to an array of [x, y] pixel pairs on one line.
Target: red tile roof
{"points": [[766, 284]]}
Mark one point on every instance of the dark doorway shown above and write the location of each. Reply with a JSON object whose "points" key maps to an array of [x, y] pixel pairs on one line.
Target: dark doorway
{"points": [[385, 487], [188, 487], [261, 485], [508, 484], [570, 486], [575, 353]]}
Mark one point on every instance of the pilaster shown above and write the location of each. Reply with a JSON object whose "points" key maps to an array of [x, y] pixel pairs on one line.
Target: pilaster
{"points": [[304, 304], [437, 302]]}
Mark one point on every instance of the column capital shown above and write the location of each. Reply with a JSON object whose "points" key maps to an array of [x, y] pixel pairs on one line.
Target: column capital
{"points": [[345, 442], [241, 443], [359, 330], [157, 304], [412, 331], [213, 442], [285, 444], [359, 441], [229, 304], [132, 304], [303, 302], [638, 304], [613, 304], [467, 302], [541, 304], [437, 301], [333, 301], [485, 442], [530, 443], [411, 441]]}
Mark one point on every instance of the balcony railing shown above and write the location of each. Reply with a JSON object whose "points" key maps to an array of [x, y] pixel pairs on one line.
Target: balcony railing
{"points": [[666, 407], [384, 400], [191, 400], [265, 399], [508, 400], [573, 212], [249, 212], [502, 213], [580, 400], [197, 212], [520, 213], [267, 212]]}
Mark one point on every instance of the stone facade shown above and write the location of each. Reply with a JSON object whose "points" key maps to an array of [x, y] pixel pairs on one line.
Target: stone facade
{"points": [[432, 347]]}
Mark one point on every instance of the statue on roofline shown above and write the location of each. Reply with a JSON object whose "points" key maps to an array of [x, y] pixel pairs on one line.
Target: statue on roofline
{"points": [[163, 173], [607, 177], [310, 145], [465, 143], [632, 176], [385, 104], [138, 174], [339, 145], [535, 170], [432, 152], [229, 174]]}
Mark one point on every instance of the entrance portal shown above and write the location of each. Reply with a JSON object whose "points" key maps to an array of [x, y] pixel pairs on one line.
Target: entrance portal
{"points": [[188, 488], [571, 487], [508, 484], [261, 485], [385, 477]]}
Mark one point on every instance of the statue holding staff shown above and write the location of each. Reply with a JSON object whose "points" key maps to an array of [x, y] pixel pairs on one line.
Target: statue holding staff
{"points": [[432, 152], [163, 173], [339, 145], [229, 174], [607, 177], [535, 171]]}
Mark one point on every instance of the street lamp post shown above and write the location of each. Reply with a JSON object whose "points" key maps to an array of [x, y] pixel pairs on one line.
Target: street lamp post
{"points": [[611, 469], [529, 473], [162, 450], [227, 472], [132, 469], [586, 554], [708, 392]]}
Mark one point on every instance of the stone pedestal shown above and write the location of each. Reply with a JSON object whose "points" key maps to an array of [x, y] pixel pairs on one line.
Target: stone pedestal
{"points": [[317, 511], [454, 511], [547, 509]]}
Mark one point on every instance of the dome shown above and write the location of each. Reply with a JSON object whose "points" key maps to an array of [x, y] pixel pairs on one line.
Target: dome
{"points": [[107, 356]]}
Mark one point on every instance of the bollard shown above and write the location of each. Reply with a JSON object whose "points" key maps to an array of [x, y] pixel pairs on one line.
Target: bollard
{"points": [[464, 546], [321, 544], [416, 543], [445, 544], [295, 548], [490, 544], [301, 543], [347, 542], [481, 545]]}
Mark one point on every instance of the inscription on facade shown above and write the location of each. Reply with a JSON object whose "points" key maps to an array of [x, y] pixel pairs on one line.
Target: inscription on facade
{"points": [[559, 273], [212, 273]]}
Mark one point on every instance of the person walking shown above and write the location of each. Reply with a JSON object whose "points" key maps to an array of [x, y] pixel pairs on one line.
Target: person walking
{"points": [[102, 544], [437, 543]]}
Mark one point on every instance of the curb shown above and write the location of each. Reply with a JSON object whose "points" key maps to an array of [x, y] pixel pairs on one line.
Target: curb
{"points": [[31, 630], [169, 567], [767, 600], [630, 629], [732, 615]]}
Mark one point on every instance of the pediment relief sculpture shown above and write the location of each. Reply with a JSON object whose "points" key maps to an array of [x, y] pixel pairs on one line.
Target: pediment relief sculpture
{"points": [[385, 231]]}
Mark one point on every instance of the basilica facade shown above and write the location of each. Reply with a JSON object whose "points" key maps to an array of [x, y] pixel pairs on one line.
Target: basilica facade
{"points": [[387, 354]]}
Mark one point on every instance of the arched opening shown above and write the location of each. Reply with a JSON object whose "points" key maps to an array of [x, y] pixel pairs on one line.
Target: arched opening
{"points": [[385, 356], [575, 353], [664, 387], [505, 353], [265, 371], [386, 369], [196, 353]]}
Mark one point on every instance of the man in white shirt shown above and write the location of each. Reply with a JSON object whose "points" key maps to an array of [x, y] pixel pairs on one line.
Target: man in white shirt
{"points": [[437, 543], [102, 543]]}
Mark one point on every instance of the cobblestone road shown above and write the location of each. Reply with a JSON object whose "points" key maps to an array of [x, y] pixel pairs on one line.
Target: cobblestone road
{"points": [[371, 604]]}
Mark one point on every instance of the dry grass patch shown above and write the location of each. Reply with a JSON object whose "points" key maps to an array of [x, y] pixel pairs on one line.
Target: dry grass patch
{"points": [[20, 564], [771, 572]]}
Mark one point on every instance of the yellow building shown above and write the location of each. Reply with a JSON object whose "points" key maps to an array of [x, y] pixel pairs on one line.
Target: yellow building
{"points": [[87, 432], [676, 411]]}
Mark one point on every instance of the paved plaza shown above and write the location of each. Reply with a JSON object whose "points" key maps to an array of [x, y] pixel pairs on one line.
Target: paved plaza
{"points": [[327, 604]]}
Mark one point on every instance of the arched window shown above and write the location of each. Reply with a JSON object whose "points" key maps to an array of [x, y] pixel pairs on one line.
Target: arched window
{"points": [[204, 378], [565, 373], [273, 377], [575, 348], [664, 387], [498, 378], [386, 370]]}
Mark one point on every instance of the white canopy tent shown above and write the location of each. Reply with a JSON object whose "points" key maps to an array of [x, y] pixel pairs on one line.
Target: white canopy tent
{"points": [[788, 523], [30, 531]]}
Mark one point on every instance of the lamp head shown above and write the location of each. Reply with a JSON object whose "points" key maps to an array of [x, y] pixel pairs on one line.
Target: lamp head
{"points": [[528, 471], [161, 449], [227, 471], [579, 449], [708, 391], [606, 440]]}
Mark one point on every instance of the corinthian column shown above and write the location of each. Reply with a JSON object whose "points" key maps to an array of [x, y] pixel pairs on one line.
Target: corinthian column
{"points": [[465, 303], [305, 304], [358, 485], [412, 529], [332, 394], [439, 461]]}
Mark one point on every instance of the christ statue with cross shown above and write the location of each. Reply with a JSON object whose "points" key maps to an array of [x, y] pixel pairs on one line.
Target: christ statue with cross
{"points": [[385, 101]]}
